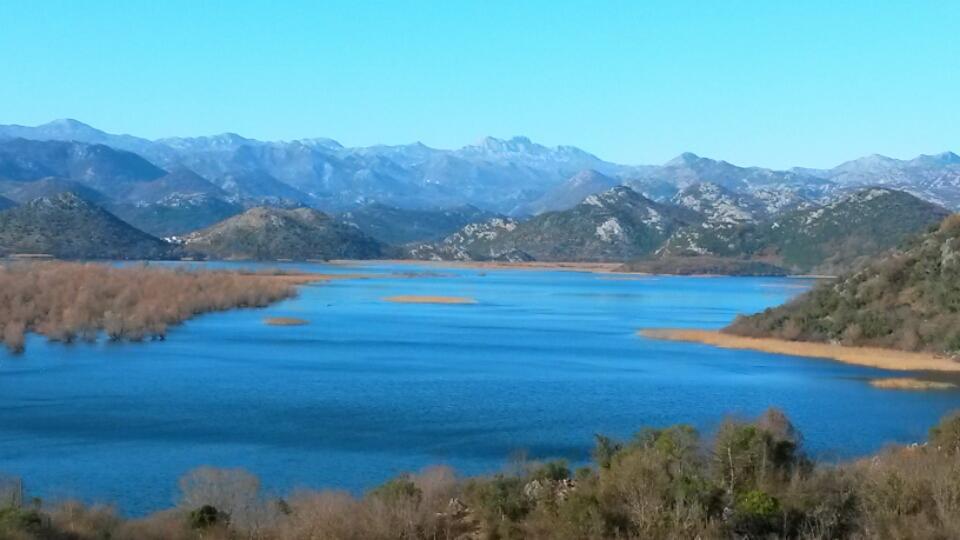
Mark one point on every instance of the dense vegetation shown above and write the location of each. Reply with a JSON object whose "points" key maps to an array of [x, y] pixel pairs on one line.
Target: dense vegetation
{"points": [[752, 481], [909, 300], [71, 301]]}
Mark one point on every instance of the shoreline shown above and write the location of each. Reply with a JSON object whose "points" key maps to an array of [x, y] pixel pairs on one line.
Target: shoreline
{"points": [[596, 267], [605, 268], [888, 359]]}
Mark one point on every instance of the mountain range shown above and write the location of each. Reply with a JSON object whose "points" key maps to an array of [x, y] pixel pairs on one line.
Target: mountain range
{"points": [[497, 199], [516, 177], [704, 223]]}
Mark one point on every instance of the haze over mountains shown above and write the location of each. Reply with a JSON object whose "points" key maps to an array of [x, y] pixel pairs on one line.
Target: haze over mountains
{"points": [[498, 199]]}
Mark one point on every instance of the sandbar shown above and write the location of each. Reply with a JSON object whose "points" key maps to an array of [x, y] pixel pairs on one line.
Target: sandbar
{"points": [[285, 321], [906, 383]]}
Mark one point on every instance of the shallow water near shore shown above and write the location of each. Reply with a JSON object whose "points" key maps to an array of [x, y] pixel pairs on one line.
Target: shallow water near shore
{"points": [[369, 389]]}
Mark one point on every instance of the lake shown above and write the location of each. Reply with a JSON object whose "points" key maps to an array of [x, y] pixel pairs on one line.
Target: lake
{"points": [[369, 389]]}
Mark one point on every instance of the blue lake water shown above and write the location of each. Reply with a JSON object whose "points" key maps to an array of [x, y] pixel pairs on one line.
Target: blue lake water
{"points": [[370, 389]]}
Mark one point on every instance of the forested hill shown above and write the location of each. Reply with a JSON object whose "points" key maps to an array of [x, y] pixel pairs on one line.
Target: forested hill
{"points": [[908, 300]]}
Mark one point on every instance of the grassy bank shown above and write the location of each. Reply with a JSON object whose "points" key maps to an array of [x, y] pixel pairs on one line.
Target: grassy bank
{"points": [[751, 480]]}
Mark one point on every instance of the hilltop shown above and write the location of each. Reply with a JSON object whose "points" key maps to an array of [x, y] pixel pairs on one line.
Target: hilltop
{"points": [[69, 227], [275, 233]]}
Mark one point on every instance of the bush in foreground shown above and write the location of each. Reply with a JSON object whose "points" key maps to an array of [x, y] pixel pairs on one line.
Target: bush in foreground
{"points": [[752, 480]]}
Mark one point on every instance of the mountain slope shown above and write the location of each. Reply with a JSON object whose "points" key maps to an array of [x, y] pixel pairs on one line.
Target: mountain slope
{"points": [[93, 165], [616, 225], [935, 178], [24, 192], [396, 226], [175, 215], [908, 300], [6, 203], [688, 169], [66, 226], [275, 233], [571, 192], [835, 237]]}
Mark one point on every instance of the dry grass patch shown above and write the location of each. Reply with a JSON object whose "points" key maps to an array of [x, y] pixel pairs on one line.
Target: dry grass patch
{"points": [[906, 383], [862, 356]]}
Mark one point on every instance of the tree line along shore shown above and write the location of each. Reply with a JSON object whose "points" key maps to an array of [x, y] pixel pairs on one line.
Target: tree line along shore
{"points": [[71, 301], [752, 479]]}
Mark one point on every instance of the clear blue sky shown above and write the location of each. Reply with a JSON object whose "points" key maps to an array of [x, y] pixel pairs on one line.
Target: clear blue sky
{"points": [[771, 82]]}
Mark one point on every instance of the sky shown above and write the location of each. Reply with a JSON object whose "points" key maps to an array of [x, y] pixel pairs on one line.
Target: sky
{"points": [[770, 83]]}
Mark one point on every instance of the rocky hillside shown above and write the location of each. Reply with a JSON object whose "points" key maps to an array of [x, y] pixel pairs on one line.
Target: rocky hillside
{"points": [[728, 222], [720, 206], [94, 165], [616, 225], [397, 226], [474, 242], [264, 233], [907, 300], [706, 226], [69, 227]]}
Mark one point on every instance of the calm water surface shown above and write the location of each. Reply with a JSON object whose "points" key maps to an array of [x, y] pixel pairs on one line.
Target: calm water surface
{"points": [[370, 389]]}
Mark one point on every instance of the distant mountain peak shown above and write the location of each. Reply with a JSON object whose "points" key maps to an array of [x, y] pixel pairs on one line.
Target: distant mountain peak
{"points": [[514, 144], [943, 158], [686, 158], [69, 122], [68, 128]]}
